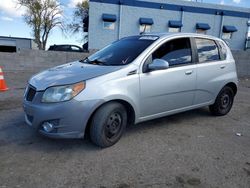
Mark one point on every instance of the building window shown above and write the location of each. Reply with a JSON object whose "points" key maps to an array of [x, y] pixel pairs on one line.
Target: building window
{"points": [[248, 36], [145, 28], [174, 30], [248, 30], [228, 31], [174, 26], [145, 25], [227, 35], [109, 25], [202, 28], [109, 21], [201, 31]]}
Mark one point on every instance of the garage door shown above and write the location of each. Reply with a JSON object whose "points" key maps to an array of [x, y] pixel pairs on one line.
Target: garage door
{"points": [[7, 45]]}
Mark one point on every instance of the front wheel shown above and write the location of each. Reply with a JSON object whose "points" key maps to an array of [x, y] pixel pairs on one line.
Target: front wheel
{"points": [[223, 102], [108, 124]]}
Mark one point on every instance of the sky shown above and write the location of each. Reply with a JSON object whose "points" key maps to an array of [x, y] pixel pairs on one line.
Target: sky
{"points": [[12, 22]]}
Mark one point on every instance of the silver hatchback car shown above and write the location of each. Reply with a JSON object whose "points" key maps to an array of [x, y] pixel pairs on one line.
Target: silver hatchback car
{"points": [[132, 80]]}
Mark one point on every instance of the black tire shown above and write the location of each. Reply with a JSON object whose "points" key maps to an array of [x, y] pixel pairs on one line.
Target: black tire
{"points": [[108, 124], [223, 102]]}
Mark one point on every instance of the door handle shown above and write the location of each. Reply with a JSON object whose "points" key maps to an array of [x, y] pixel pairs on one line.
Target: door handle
{"points": [[188, 72], [222, 66]]}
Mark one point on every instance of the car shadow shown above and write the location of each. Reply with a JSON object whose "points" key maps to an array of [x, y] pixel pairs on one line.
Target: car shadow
{"points": [[18, 133], [169, 120], [15, 132]]}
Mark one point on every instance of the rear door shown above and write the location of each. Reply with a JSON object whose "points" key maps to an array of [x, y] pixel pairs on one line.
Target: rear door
{"points": [[210, 70], [170, 89]]}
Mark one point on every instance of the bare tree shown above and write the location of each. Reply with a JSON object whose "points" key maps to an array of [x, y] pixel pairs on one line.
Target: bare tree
{"points": [[42, 16], [80, 23]]}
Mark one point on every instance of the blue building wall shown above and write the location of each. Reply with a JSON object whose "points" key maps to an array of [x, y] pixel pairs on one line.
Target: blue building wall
{"points": [[128, 13]]}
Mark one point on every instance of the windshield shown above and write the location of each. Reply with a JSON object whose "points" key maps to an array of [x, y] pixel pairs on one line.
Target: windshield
{"points": [[121, 52]]}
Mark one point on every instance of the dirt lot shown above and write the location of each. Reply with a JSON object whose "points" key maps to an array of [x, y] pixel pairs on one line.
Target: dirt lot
{"points": [[192, 149]]}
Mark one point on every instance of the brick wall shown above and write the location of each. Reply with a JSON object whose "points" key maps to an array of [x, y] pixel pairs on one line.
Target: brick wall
{"points": [[242, 59], [35, 60]]}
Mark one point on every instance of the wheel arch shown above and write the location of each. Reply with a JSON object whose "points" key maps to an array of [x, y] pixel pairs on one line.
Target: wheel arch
{"points": [[233, 86], [129, 108]]}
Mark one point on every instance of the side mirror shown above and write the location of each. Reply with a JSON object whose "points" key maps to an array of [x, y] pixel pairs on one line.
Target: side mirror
{"points": [[158, 64]]}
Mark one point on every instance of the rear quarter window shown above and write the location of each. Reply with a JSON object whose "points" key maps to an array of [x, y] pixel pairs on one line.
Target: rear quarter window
{"points": [[223, 50]]}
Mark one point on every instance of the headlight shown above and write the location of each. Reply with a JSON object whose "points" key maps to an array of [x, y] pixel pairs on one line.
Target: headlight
{"points": [[62, 93]]}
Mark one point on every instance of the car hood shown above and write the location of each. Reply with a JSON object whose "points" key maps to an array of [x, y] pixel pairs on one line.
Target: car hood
{"points": [[68, 74]]}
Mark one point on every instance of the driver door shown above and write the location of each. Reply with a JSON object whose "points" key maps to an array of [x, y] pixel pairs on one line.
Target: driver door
{"points": [[171, 89]]}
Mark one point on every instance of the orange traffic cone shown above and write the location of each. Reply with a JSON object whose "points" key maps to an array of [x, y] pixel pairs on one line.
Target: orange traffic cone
{"points": [[3, 86]]}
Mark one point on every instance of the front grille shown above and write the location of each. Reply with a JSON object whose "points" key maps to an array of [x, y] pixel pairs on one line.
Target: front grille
{"points": [[30, 94]]}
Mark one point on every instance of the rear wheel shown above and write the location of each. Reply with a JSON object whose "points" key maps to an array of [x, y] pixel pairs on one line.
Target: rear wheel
{"points": [[108, 124], [223, 102]]}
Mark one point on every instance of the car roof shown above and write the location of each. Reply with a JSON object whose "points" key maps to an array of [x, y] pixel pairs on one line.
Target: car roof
{"points": [[65, 45], [167, 35]]}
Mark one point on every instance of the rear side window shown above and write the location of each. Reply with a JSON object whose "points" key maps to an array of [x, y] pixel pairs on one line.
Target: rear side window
{"points": [[63, 48], [207, 50], [60, 48], [75, 49], [175, 52]]}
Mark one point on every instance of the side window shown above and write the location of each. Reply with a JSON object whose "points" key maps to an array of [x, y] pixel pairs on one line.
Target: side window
{"points": [[223, 50], [175, 52], [207, 50], [201, 31], [145, 28], [75, 49], [174, 30], [64, 48], [109, 25], [226, 36]]}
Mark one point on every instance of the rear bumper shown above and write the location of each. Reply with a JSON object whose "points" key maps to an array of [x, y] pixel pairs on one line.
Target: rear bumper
{"points": [[69, 118]]}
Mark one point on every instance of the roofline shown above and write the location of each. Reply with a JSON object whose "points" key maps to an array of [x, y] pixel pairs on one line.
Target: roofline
{"points": [[6, 37], [184, 6], [180, 34], [167, 34], [65, 45]]}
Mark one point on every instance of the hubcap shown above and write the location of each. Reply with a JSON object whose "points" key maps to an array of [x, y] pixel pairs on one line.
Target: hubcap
{"points": [[225, 101], [113, 125]]}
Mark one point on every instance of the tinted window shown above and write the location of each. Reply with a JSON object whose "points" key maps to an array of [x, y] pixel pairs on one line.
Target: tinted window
{"points": [[122, 52], [64, 48], [51, 48], [61, 48], [75, 48], [207, 50], [175, 52], [109, 25], [223, 51]]}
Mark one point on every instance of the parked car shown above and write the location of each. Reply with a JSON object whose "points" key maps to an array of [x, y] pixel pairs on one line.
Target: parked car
{"points": [[135, 79], [65, 48]]}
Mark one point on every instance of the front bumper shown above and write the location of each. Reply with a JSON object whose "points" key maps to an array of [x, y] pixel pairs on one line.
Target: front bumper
{"points": [[70, 118]]}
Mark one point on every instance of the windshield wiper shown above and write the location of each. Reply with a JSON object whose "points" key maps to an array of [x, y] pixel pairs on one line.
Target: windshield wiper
{"points": [[94, 62], [97, 62], [85, 60]]}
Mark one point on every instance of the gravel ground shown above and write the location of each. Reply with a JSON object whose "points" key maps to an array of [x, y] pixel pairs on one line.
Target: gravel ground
{"points": [[191, 149]]}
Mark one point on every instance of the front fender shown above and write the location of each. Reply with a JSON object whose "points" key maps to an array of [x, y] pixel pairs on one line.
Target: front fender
{"points": [[126, 99]]}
